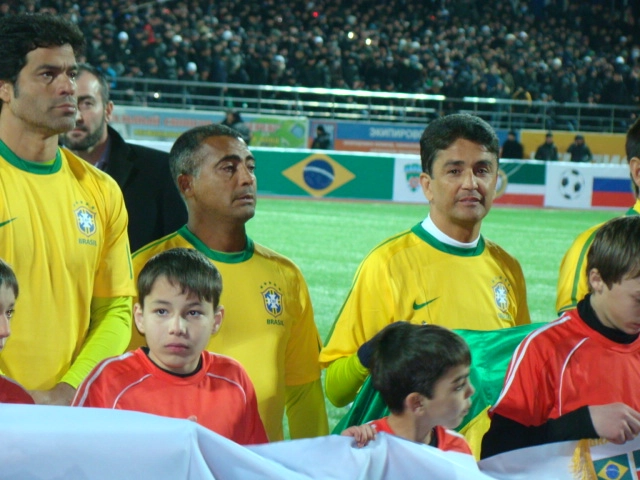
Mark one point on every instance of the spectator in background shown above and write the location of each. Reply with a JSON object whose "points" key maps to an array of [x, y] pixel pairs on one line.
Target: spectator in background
{"points": [[234, 120], [152, 200], [322, 140], [548, 150], [512, 148], [579, 151]]}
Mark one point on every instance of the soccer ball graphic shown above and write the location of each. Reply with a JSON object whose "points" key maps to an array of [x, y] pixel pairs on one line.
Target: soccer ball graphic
{"points": [[572, 184]]}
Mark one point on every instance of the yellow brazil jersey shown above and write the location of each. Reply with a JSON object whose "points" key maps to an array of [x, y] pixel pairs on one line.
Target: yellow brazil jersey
{"points": [[416, 278], [268, 324], [572, 278], [63, 228]]}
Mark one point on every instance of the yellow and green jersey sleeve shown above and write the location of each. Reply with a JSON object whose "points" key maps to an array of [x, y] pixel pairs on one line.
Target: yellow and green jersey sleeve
{"points": [[268, 325], [63, 228]]}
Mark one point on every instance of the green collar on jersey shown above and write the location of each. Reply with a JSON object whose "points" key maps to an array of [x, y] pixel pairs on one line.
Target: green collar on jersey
{"points": [[443, 247], [31, 167], [235, 257]]}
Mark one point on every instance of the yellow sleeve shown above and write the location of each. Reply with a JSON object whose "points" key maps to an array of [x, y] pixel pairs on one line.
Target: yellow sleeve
{"points": [[343, 380], [368, 308], [304, 344], [114, 273], [306, 410], [109, 334], [572, 277], [523, 316]]}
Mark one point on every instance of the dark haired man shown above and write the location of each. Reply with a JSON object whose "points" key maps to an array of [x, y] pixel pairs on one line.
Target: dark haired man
{"points": [[441, 271], [63, 225], [269, 326]]}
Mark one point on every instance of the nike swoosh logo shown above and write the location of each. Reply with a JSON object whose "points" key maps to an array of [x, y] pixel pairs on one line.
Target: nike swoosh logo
{"points": [[2, 224], [418, 306]]}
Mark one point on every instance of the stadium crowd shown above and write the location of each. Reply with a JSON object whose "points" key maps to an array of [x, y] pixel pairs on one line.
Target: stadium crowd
{"points": [[563, 51]]}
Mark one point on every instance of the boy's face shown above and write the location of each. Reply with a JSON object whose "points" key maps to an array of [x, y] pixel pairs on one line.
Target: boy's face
{"points": [[451, 398], [177, 326], [619, 306], [7, 302]]}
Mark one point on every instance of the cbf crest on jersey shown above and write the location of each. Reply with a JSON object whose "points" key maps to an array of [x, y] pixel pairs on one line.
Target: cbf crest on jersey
{"points": [[85, 218], [501, 293], [272, 299]]}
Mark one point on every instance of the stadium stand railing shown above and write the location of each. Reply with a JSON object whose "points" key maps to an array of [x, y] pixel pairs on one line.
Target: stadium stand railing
{"points": [[340, 104]]}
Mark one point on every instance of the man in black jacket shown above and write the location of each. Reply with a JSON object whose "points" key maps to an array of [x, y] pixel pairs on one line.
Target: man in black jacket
{"points": [[152, 200]]}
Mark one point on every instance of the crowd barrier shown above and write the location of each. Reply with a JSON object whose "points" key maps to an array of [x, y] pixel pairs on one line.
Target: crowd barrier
{"points": [[395, 177]]}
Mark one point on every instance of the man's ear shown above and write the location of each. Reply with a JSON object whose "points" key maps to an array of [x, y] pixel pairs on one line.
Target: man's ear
{"points": [[137, 316], [185, 184], [108, 110], [6, 91], [217, 319], [425, 183]]}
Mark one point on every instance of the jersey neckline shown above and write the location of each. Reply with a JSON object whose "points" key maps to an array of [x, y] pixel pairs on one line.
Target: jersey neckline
{"points": [[31, 167], [450, 249], [223, 257]]}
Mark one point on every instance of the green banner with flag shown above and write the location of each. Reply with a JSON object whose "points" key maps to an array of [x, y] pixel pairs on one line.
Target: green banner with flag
{"points": [[491, 352]]}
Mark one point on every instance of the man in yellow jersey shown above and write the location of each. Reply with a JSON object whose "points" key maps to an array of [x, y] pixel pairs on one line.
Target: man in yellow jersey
{"points": [[572, 279], [441, 271], [63, 225], [269, 325]]}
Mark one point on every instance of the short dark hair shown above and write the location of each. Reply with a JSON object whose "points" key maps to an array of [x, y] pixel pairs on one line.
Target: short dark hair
{"points": [[8, 277], [24, 33], [411, 358], [632, 147], [188, 268], [441, 133], [184, 158], [615, 250], [102, 80]]}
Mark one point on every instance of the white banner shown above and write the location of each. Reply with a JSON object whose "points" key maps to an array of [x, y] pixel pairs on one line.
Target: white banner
{"points": [[43, 442]]}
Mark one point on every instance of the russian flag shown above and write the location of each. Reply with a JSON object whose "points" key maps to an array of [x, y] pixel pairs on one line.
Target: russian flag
{"points": [[612, 192]]}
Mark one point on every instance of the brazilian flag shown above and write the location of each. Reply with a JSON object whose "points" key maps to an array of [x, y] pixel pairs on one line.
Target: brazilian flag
{"points": [[491, 352]]}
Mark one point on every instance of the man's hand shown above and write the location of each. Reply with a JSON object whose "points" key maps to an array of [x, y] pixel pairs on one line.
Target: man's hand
{"points": [[615, 422], [362, 434], [61, 394]]}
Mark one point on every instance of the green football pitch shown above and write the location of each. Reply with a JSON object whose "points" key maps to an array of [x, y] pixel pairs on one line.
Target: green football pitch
{"points": [[329, 239]]}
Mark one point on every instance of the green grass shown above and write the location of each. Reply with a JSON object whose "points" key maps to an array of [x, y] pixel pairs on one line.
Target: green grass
{"points": [[329, 239]]}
